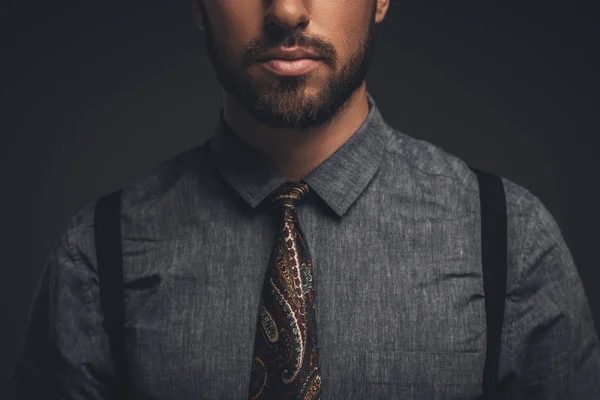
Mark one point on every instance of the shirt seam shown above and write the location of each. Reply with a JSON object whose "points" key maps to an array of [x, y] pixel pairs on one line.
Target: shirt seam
{"points": [[87, 295], [520, 276], [463, 182]]}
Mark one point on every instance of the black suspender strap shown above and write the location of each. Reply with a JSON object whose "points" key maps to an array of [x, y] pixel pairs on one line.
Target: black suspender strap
{"points": [[494, 259], [107, 227]]}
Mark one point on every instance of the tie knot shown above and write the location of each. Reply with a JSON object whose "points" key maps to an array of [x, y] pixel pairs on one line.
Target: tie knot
{"points": [[288, 194]]}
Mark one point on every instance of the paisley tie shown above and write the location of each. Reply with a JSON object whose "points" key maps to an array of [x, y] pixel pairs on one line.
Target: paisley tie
{"points": [[286, 360]]}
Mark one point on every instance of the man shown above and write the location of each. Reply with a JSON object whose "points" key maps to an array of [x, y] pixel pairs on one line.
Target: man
{"points": [[309, 250]]}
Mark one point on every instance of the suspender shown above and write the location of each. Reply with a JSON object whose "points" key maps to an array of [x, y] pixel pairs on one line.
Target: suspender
{"points": [[494, 259], [494, 246], [107, 226]]}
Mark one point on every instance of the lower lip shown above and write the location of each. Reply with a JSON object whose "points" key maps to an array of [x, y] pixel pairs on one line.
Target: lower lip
{"points": [[300, 66]]}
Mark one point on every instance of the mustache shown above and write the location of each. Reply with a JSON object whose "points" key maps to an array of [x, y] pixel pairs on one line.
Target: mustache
{"points": [[288, 39]]}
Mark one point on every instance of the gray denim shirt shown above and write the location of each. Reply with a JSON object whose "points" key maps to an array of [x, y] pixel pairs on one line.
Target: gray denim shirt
{"points": [[393, 228]]}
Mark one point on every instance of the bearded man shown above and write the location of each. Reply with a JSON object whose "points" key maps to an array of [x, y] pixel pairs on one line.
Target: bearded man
{"points": [[307, 250]]}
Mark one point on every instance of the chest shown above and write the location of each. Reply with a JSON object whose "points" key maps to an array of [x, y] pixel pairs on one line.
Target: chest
{"points": [[400, 309]]}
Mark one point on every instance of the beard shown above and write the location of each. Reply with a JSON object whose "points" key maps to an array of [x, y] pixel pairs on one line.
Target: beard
{"points": [[282, 102]]}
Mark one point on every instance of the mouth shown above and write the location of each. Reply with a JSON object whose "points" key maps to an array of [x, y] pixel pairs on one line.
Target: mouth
{"points": [[290, 61], [290, 67]]}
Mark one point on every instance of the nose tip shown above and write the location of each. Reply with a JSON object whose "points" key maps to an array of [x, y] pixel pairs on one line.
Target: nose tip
{"points": [[287, 15]]}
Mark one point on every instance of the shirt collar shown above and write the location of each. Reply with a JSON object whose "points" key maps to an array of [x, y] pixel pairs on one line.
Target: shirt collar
{"points": [[338, 180]]}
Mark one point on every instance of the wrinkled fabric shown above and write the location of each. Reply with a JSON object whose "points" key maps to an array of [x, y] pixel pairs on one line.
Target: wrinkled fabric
{"points": [[393, 227]]}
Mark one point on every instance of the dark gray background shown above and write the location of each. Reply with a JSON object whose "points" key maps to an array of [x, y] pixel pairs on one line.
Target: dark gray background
{"points": [[93, 94]]}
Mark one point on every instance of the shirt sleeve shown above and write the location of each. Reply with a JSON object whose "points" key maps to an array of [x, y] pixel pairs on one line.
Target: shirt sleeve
{"points": [[65, 350], [552, 330]]}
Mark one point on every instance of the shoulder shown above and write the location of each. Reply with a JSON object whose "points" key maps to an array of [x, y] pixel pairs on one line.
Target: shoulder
{"points": [[424, 160], [444, 177], [144, 195], [170, 176]]}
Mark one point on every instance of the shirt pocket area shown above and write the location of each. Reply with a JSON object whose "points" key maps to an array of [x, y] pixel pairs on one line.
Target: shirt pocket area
{"points": [[424, 375]]}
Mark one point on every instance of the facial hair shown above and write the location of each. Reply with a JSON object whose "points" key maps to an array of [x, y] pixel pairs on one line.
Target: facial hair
{"points": [[281, 104]]}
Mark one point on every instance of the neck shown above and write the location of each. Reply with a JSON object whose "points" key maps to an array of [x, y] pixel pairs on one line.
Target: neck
{"points": [[296, 153]]}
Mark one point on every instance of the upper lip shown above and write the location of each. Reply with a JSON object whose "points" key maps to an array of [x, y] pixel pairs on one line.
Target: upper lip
{"points": [[288, 54]]}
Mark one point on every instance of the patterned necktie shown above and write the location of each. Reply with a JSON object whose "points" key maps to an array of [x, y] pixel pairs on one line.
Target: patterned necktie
{"points": [[286, 360]]}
